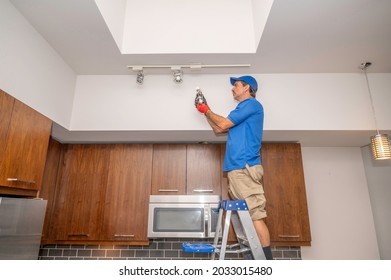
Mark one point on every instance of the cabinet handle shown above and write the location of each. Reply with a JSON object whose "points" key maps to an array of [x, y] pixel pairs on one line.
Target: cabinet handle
{"points": [[288, 236], [166, 190], [78, 235], [20, 180], [203, 191], [124, 235]]}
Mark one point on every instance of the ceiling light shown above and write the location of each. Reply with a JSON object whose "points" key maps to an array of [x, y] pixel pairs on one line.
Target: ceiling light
{"points": [[178, 75], [379, 142], [140, 74], [140, 77]]}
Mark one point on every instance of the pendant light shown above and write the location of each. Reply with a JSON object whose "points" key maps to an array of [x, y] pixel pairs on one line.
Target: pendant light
{"points": [[380, 143]]}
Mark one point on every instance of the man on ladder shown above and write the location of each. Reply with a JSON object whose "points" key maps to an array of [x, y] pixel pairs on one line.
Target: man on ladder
{"points": [[242, 160]]}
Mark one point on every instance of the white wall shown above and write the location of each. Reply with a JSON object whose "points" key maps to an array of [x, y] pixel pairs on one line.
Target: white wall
{"points": [[291, 101], [31, 70], [342, 225], [378, 174]]}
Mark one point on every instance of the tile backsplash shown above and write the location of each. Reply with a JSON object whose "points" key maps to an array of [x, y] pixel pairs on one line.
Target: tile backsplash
{"points": [[165, 248]]}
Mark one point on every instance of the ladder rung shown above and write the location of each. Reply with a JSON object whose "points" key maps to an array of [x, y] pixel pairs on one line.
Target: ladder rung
{"points": [[238, 251]]}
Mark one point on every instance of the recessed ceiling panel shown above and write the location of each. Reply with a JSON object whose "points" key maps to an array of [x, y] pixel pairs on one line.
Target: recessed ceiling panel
{"points": [[185, 26]]}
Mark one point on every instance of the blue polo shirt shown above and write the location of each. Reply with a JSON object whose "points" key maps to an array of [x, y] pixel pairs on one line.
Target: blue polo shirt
{"points": [[245, 137]]}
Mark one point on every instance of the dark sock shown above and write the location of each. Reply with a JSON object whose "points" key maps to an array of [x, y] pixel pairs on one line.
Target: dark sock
{"points": [[268, 252]]}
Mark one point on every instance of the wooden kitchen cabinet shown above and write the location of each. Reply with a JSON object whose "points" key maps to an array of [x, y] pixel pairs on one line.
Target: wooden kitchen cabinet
{"points": [[284, 185], [180, 169], [24, 135], [203, 169], [101, 193], [169, 169], [127, 194], [78, 206]]}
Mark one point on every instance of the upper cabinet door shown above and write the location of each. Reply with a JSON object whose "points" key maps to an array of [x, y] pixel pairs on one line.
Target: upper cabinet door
{"points": [[77, 213], [6, 106], [25, 148], [204, 169], [127, 193], [288, 219], [169, 169]]}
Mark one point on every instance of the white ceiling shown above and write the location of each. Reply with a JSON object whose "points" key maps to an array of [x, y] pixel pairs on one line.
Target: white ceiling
{"points": [[300, 36]]}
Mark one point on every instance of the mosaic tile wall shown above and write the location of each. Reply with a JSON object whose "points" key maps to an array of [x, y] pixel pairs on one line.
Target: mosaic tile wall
{"points": [[159, 249]]}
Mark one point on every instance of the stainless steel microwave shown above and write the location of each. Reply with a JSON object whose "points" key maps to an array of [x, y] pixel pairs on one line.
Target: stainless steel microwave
{"points": [[188, 216]]}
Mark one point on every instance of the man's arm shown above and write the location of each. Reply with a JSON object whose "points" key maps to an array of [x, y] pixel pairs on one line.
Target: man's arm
{"points": [[218, 123]]}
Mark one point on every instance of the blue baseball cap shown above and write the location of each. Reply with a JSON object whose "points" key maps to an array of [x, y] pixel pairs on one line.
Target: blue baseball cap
{"points": [[248, 80]]}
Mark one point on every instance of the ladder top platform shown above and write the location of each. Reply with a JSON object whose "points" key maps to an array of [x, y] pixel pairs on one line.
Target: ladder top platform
{"points": [[235, 205]]}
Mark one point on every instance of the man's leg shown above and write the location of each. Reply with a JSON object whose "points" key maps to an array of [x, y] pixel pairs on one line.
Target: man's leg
{"points": [[263, 232], [264, 237]]}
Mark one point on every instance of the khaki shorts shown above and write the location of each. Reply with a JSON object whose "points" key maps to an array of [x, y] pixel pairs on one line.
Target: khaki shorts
{"points": [[246, 184]]}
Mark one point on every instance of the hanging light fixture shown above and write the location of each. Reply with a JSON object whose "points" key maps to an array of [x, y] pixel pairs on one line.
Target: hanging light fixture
{"points": [[379, 142]]}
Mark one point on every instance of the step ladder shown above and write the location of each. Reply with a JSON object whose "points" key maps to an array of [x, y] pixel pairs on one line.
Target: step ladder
{"points": [[236, 212]]}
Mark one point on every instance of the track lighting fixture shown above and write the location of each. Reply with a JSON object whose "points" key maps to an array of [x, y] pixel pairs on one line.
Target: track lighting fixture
{"points": [[177, 69]]}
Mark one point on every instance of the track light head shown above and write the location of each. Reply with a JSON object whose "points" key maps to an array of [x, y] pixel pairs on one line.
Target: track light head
{"points": [[178, 75], [140, 77]]}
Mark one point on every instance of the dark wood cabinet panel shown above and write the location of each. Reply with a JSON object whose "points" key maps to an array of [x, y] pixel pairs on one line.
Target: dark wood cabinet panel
{"points": [[288, 219], [204, 169], [80, 192], [127, 193], [169, 169], [6, 106], [223, 175], [25, 146], [49, 182]]}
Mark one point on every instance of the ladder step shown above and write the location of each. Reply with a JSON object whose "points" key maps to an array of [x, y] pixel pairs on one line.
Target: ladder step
{"points": [[198, 248]]}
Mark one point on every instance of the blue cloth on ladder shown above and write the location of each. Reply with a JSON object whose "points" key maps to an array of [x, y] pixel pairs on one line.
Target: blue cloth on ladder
{"points": [[198, 248]]}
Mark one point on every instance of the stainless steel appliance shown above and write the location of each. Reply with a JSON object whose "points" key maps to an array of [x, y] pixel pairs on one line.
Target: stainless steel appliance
{"points": [[21, 222], [193, 216]]}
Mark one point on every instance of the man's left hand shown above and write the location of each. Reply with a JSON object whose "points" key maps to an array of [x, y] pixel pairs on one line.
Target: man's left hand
{"points": [[203, 108]]}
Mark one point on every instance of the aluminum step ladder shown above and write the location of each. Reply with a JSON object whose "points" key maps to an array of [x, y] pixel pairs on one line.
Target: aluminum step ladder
{"points": [[236, 212]]}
